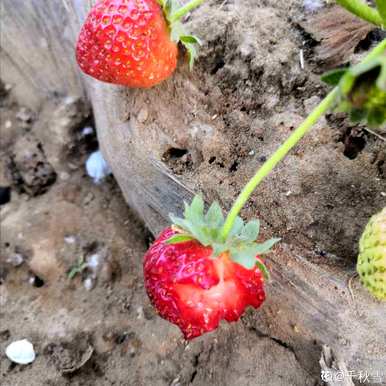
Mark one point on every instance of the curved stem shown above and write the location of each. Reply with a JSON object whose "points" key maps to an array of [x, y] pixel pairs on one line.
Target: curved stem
{"points": [[279, 154], [362, 10], [184, 10]]}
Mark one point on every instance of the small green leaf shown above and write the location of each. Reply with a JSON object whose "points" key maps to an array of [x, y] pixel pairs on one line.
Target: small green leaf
{"points": [[263, 269], [334, 76], [190, 39], [250, 230], [266, 246], [245, 256], [237, 226], [179, 238], [168, 4], [73, 272], [181, 223], [214, 217], [376, 118], [357, 115], [197, 209], [192, 53]]}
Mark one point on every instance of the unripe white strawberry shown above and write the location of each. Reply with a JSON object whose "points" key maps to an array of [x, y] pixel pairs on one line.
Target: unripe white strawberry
{"points": [[371, 264]]}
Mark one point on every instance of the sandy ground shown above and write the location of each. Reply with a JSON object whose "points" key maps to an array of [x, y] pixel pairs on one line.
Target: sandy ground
{"points": [[107, 333]]}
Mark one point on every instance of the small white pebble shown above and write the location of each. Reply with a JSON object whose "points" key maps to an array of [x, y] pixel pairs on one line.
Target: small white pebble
{"points": [[8, 124], [70, 239], [97, 168], [94, 262], [88, 130], [21, 352], [312, 5], [214, 117], [64, 176], [16, 259], [252, 152], [88, 283], [288, 193], [140, 313], [383, 194]]}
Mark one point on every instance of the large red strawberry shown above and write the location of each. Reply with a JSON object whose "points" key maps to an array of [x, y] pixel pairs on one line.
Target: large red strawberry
{"points": [[133, 42], [195, 280]]}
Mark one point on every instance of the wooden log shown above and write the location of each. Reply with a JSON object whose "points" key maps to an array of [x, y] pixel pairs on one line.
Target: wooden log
{"points": [[310, 302], [37, 50]]}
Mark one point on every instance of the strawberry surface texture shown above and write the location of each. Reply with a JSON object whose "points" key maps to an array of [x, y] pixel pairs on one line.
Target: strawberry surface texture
{"points": [[193, 290], [371, 264], [127, 42]]}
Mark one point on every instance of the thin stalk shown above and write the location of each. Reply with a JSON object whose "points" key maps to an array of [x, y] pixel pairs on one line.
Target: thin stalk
{"points": [[362, 10], [279, 154], [375, 52], [381, 7], [179, 13]]}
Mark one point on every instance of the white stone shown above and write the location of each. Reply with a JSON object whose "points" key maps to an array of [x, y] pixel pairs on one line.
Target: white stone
{"points": [[97, 168], [21, 352]]}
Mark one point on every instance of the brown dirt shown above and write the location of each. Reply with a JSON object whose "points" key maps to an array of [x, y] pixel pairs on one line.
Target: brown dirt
{"points": [[218, 123], [109, 335], [213, 127]]}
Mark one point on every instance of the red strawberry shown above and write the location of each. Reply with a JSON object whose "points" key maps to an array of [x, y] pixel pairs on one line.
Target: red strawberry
{"points": [[128, 42], [194, 291]]}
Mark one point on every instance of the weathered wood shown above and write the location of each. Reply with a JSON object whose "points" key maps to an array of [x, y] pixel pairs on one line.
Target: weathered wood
{"points": [[307, 302], [37, 50]]}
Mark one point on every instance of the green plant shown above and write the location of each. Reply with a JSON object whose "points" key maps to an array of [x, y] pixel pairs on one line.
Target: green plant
{"points": [[359, 90], [77, 268]]}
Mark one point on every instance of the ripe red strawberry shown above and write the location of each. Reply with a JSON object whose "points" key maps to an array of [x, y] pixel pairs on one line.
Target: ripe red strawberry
{"points": [[195, 292], [195, 280], [128, 42]]}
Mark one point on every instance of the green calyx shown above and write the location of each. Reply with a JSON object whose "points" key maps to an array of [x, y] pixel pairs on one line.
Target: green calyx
{"points": [[173, 13], [362, 89], [206, 228]]}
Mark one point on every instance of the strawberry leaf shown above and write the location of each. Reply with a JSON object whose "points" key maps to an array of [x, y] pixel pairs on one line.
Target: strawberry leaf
{"points": [[179, 238], [214, 217], [333, 77], [266, 246], [250, 230], [237, 227], [263, 269], [206, 228], [244, 255], [190, 39]]}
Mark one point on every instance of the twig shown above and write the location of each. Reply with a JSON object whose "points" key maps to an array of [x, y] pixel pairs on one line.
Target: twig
{"points": [[376, 134]]}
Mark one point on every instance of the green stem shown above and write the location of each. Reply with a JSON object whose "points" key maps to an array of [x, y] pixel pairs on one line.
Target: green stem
{"points": [[379, 49], [279, 154], [381, 6], [362, 10], [177, 15]]}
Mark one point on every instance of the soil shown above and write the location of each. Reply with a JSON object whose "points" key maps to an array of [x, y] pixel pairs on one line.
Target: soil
{"points": [[212, 128], [96, 328]]}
